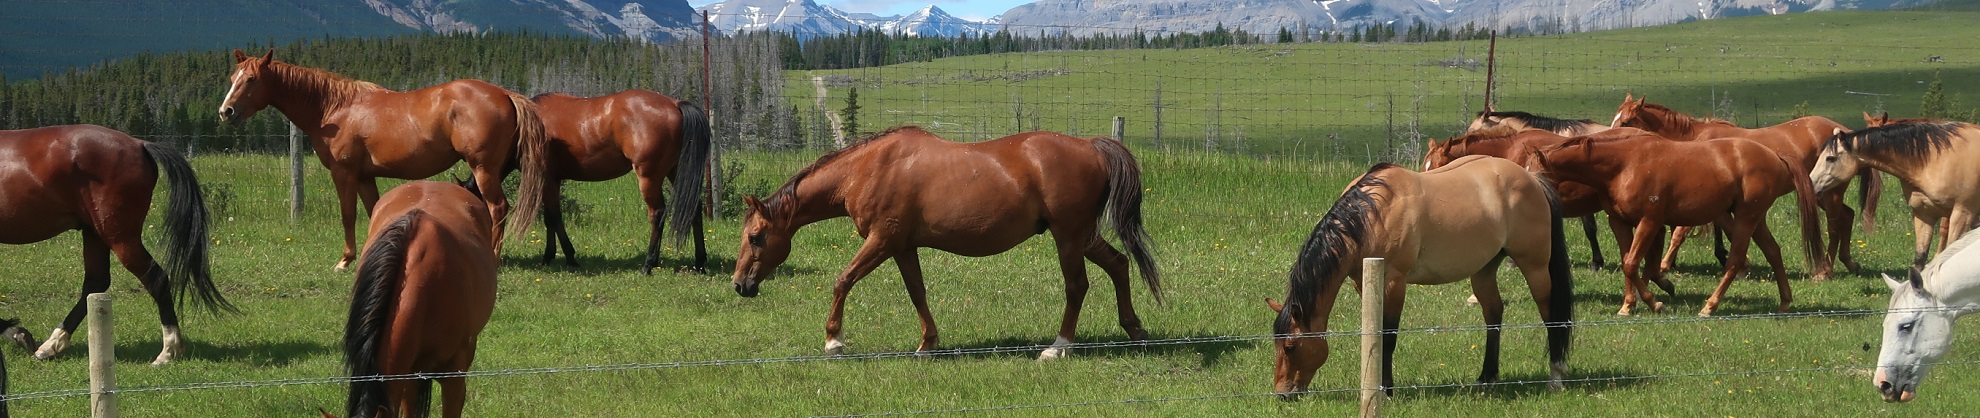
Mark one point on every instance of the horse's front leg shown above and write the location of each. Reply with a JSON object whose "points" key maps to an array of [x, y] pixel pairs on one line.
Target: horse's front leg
{"points": [[1923, 226], [346, 182], [910, 264], [1647, 233], [96, 279], [1744, 226], [1958, 224], [876, 250]]}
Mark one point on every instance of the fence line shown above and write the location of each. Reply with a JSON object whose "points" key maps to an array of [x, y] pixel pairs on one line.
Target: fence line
{"points": [[958, 352]]}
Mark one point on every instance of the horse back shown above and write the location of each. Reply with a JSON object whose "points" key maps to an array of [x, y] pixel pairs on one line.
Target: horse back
{"points": [[1449, 223], [599, 138], [980, 198], [448, 292], [58, 178]]}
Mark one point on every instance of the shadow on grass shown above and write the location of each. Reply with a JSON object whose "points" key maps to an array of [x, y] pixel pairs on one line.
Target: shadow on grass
{"points": [[1516, 386], [1691, 295], [258, 353], [589, 266], [1210, 353]]}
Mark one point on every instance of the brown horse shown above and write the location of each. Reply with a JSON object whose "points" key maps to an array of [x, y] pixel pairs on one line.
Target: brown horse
{"points": [[906, 189], [424, 291], [1933, 160], [1652, 182], [1444, 225], [362, 131], [601, 138], [99, 181], [1796, 140]]}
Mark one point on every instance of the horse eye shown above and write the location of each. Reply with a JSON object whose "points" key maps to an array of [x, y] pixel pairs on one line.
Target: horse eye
{"points": [[756, 239], [1904, 327]]}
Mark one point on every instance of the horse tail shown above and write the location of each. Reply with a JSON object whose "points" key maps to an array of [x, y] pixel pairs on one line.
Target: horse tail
{"points": [[534, 160], [1867, 195], [1124, 209], [695, 136], [379, 277], [1811, 224], [186, 261], [1560, 280]]}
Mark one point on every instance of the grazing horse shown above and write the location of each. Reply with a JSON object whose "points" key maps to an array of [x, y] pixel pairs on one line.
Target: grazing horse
{"points": [[1933, 160], [1499, 139], [906, 189], [1440, 226], [1653, 182], [1796, 140], [99, 181], [1919, 323], [362, 131], [1523, 121], [653, 136], [424, 291]]}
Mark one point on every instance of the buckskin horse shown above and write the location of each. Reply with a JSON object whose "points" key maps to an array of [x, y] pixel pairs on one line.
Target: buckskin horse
{"points": [[1796, 140], [1934, 160], [1440, 226], [906, 189], [362, 131], [423, 293], [98, 181], [1653, 182]]}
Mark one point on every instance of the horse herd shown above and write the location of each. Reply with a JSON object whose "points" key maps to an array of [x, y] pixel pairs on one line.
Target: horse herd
{"points": [[426, 285]]}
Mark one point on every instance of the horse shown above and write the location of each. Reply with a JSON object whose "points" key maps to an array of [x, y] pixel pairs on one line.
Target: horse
{"points": [[99, 181], [1796, 140], [362, 131], [639, 131], [1523, 121], [424, 290], [1652, 182], [1931, 159], [906, 189], [1499, 139], [1440, 226], [1919, 324]]}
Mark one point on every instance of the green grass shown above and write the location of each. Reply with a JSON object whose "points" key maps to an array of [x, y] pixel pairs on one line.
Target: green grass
{"points": [[1226, 228]]}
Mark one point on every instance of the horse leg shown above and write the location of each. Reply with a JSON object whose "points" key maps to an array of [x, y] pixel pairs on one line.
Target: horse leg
{"points": [[453, 396], [909, 261], [1559, 330], [1594, 246], [1744, 226], [656, 215], [1115, 265], [1485, 285], [553, 225], [1625, 234], [96, 279], [130, 251], [497, 201], [1772, 250], [1958, 224], [1392, 306], [1922, 229], [1669, 260], [1648, 233], [1072, 263], [876, 250], [1840, 234], [346, 182]]}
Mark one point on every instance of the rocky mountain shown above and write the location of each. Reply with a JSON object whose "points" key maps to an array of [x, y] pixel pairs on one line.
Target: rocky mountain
{"points": [[807, 18], [1268, 16], [932, 21]]}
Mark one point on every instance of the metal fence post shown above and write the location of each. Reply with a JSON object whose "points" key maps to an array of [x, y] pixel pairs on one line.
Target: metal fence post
{"points": [[102, 358], [1374, 279]]}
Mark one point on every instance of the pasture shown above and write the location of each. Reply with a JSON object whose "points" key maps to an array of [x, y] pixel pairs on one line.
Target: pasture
{"points": [[1226, 218]]}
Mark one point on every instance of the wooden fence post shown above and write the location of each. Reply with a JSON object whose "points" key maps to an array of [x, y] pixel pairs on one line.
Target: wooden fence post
{"points": [[1120, 128], [295, 174], [102, 357], [1374, 280]]}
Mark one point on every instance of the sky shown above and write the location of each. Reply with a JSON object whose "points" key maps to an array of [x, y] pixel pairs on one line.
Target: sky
{"points": [[967, 9]]}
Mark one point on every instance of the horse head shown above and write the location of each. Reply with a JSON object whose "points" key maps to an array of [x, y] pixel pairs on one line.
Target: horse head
{"points": [[246, 92], [766, 244], [11, 330], [1917, 330], [1870, 121], [1300, 352], [1630, 113], [1834, 164]]}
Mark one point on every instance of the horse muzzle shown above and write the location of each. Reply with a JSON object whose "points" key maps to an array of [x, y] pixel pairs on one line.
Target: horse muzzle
{"points": [[228, 115], [747, 290], [1896, 393]]}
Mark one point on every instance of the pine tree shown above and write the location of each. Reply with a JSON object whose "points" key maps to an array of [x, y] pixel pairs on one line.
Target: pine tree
{"points": [[850, 114]]}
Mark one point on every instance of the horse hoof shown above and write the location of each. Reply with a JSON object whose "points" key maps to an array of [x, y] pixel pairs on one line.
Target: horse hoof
{"points": [[1556, 386], [1622, 312], [835, 348], [342, 265], [1471, 301], [1052, 353], [1704, 313], [1657, 307], [160, 361]]}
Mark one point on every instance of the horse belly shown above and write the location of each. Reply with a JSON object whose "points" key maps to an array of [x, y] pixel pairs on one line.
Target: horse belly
{"points": [[34, 219], [1455, 258]]}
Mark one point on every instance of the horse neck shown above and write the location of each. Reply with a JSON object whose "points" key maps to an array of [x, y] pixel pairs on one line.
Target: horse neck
{"points": [[309, 94], [1585, 165], [1672, 124], [817, 198], [1906, 169]]}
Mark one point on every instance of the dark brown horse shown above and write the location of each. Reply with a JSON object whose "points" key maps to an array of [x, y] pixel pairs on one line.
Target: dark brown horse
{"points": [[1796, 140], [906, 189], [99, 181], [1440, 226], [424, 291], [1653, 182], [648, 134], [362, 131]]}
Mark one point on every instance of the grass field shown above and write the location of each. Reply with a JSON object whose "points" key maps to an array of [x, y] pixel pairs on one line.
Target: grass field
{"points": [[1226, 225]]}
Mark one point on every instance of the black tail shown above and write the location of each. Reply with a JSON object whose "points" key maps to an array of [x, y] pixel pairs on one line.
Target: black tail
{"points": [[689, 170], [372, 300], [1560, 276], [1124, 209], [185, 230]]}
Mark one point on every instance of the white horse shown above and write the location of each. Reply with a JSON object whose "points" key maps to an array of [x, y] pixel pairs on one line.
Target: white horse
{"points": [[1918, 327]]}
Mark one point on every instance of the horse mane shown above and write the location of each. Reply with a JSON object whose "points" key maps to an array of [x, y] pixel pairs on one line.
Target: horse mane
{"points": [[335, 89], [1487, 134], [784, 201], [1932, 270], [1679, 122], [1320, 258], [1910, 139], [1542, 122]]}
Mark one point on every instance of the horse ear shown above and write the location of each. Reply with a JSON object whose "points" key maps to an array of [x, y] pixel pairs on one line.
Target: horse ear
{"points": [[270, 56], [1892, 282], [1276, 307], [754, 205], [238, 57], [1916, 279]]}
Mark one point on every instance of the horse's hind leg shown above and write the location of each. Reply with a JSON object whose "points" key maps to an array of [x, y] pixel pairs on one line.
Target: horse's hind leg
{"points": [[96, 279], [1840, 234], [1485, 285], [1072, 263], [910, 264], [1594, 246], [1743, 229], [1669, 260], [1115, 265], [553, 225], [656, 215], [453, 396], [138, 260]]}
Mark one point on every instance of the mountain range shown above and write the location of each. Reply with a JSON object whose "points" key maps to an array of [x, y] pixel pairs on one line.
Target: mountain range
{"points": [[807, 18]]}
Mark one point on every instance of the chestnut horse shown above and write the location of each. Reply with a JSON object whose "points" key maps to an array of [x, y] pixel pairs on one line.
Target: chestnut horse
{"points": [[362, 131], [424, 291], [1934, 160], [906, 189], [1653, 182], [1440, 226], [1796, 140], [653, 136], [99, 181]]}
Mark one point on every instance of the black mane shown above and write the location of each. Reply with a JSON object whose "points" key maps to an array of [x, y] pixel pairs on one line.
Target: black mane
{"points": [[1542, 122], [1321, 257], [1910, 140]]}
